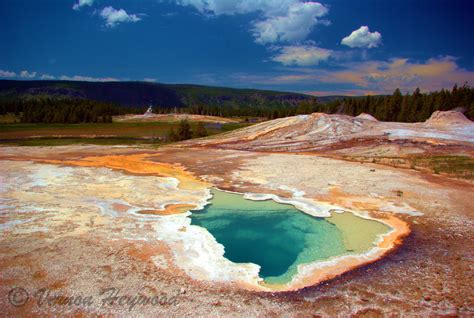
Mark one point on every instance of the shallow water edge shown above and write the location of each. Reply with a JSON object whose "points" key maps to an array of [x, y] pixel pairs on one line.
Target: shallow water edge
{"points": [[360, 250]]}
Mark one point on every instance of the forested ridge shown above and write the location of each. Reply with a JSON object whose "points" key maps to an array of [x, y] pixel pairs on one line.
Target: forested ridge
{"points": [[141, 94], [412, 107], [61, 110], [400, 107]]}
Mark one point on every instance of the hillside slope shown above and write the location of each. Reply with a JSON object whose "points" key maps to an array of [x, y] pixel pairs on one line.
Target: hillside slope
{"points": [[139, 94]]}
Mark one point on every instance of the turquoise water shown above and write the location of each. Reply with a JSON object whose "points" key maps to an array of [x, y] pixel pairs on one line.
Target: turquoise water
{"points": [[275, 236]]}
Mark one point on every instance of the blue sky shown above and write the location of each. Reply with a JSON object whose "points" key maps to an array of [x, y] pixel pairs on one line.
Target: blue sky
{"points": [[328, 47]]}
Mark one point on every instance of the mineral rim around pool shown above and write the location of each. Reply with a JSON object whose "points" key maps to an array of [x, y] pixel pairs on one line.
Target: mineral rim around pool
{"points": [[278, 237]]}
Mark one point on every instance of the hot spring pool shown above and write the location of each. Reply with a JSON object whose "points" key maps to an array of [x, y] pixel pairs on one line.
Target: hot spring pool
{"points": [[278, 237]]}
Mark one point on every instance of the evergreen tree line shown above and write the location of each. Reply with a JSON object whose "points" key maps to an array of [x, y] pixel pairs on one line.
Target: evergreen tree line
{"points": [[413, 107], [61, 110], [268, 110], [396, 107]]}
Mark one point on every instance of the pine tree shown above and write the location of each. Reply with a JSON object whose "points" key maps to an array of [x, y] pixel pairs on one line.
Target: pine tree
{"points": [[184, 130], [402, 115], [395, 105], [172, 135]]}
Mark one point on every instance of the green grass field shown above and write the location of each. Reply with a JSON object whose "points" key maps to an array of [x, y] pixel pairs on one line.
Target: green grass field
{"points": [[102, 134], [459, 166]]}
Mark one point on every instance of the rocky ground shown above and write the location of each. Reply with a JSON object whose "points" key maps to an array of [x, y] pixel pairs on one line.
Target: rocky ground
{"points": [[173, 117], [88, 249]]}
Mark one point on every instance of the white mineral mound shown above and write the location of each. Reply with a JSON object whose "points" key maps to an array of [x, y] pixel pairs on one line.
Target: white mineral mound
{"points": [[296, 133], [450, 117], [367, 117], [319, 131]]}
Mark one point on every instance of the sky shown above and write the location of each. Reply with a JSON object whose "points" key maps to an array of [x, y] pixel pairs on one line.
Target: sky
{"points": [[333, 47]]}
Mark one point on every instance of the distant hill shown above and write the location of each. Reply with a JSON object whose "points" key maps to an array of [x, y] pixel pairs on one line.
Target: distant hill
{"points": [[43, 99], [141, 94], [332, 98]]}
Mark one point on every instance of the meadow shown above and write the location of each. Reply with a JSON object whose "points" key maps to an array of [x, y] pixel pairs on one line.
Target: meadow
{"points": [[126, 133]]}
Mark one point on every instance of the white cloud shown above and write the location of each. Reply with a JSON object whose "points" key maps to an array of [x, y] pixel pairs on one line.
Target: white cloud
{"points": [[149, 79], [114, 17], [230, 7], [87, 78], [379, 76], [295, 25], [47, 77], [303, 55], [22, 74], [283, 20], [82, 3], [7, 74], [362, 38], [26, 74]]}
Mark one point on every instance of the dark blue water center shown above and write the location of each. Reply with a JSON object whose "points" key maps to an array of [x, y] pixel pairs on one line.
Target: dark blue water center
{"points": [[275, 236]]}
